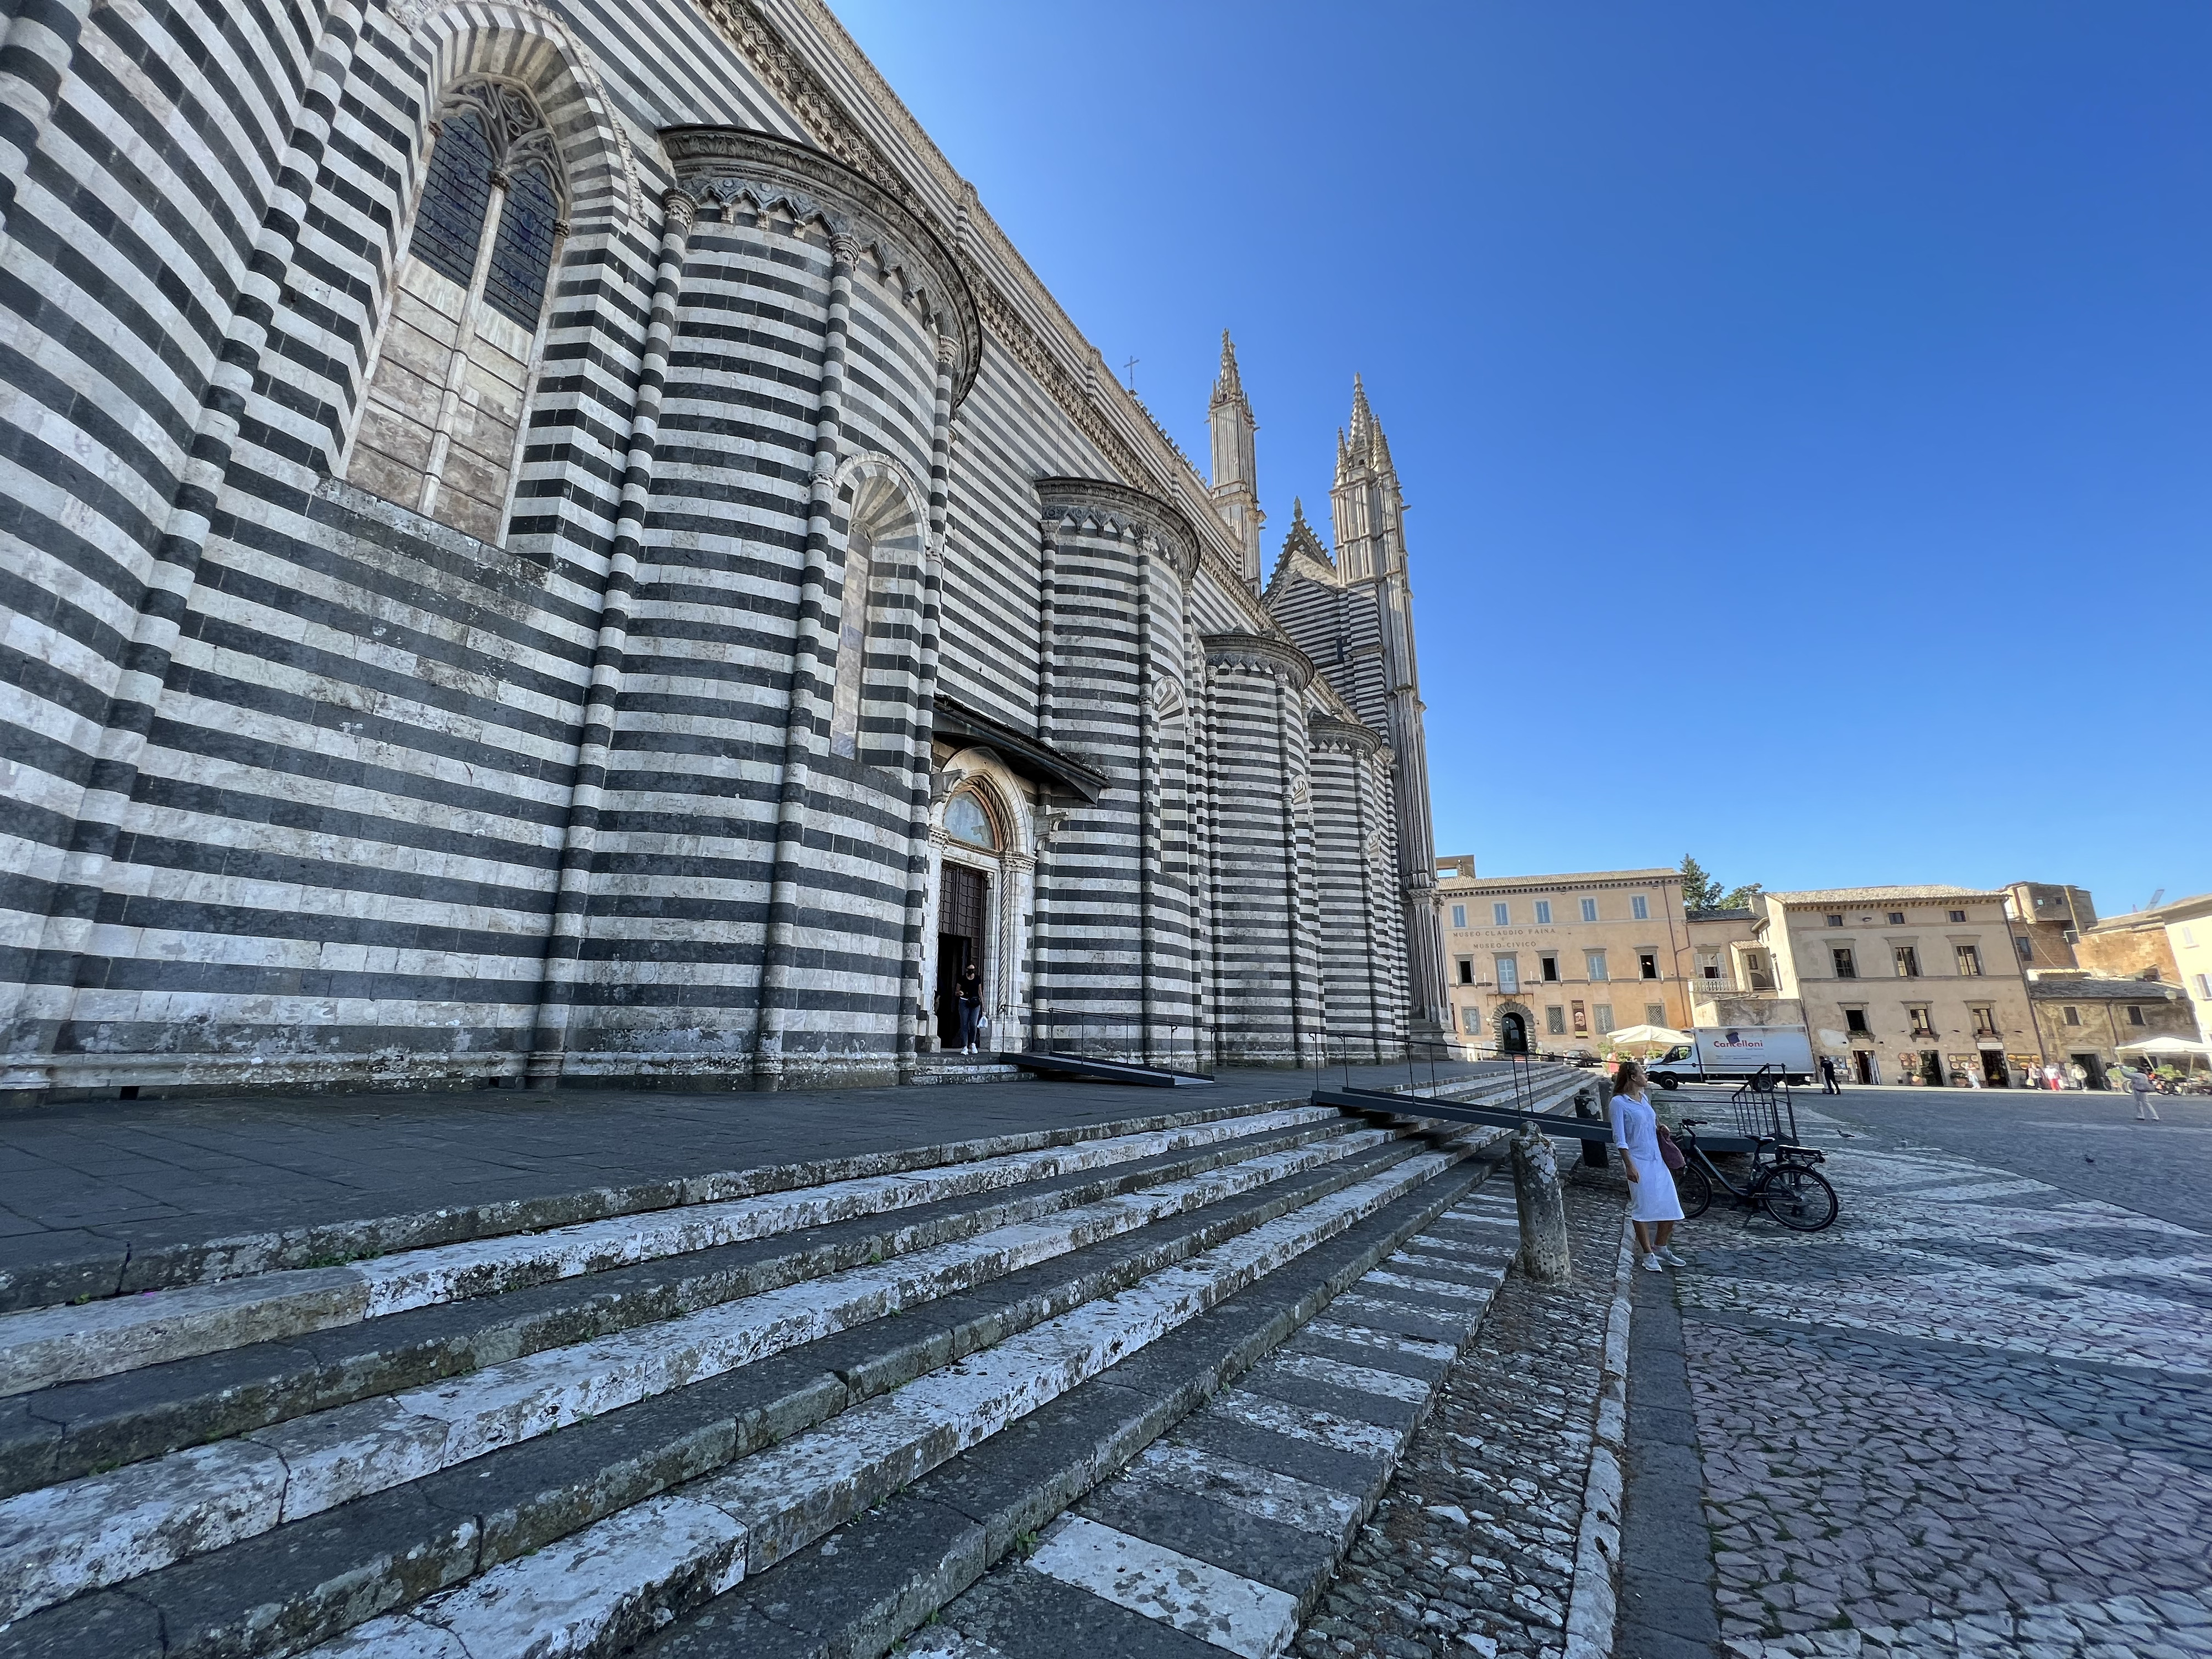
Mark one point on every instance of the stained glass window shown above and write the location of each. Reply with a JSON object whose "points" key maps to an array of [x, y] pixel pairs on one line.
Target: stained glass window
{"points": [[966, 820], [449, 225], [515, 286]]}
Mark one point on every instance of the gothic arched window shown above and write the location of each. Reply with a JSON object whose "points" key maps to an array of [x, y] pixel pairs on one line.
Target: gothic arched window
{"points": [[442, 425], [967, 819]]}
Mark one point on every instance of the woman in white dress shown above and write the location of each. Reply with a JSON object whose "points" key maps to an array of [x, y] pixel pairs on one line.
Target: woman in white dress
{"points": [[1653, 1205]]}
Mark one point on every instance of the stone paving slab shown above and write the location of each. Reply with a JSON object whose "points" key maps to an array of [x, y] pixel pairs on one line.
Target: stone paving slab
{"points": [[1472, 1552], [1942, 1428], [100, 1196]]}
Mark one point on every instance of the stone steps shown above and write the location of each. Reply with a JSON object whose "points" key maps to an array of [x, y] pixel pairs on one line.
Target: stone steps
{"points": [[68, 1429], [563, 1458]]}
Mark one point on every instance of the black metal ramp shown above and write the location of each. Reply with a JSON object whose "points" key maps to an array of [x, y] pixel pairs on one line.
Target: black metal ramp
{"points": [[1106, 1071], [1504, 1117]]}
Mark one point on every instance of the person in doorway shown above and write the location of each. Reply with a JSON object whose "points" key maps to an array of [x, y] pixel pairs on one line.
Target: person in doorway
{"points": [[2141, 1085], [1654, 1206], [2077, 1075], [1828, 1084], [970, 985]]}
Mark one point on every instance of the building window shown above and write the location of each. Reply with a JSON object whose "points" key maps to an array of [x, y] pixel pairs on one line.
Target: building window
{"points": [[1970, 960], [1958, 915], [2189, 938], [1647, 963], [1655, 1013], [1847, 965], [1581, 1020], [1908, 962], [1855, 1020], [1709, 964], [1638, 908], [851, 645], [443, 416], [2135, 1015], [1603, 1011], [1543, 913], [1555, 1020], [1467, 970], [1921, 1026], [1593, 962], [1897, 918], [2026, 948], [1458, 915], [2204, 986], [1550, 968], [2072, 1016], [1754, 965], [1986, 1021], [1589, 909], [1508, 975], [1835, 920], [1500, 914]]}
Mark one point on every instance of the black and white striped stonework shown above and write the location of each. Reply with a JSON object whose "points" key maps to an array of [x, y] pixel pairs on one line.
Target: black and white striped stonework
{"points": [[303, 787]]}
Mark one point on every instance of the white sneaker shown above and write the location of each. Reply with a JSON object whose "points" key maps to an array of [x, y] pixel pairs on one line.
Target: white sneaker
{"points": [[1652, 1264], [1667, 1253]]}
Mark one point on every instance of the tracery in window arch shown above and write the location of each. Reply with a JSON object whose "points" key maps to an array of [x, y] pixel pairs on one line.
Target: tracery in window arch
{"points": [[442, 422], [967, 819]]}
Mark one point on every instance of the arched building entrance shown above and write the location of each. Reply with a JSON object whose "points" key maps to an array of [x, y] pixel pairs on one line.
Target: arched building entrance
{"points": [[979, 900], [1513, 1033]]}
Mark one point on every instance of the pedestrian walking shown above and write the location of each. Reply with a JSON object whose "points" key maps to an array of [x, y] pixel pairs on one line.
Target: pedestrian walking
{"points": [[2142, 1086], [2051, 1077], [1828, 1085], [970, 984], [1654, 1206], [2078, 1075]]}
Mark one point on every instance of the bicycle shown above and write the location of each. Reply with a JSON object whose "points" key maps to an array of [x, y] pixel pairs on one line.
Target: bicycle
{"points": [[1783, 1179]]}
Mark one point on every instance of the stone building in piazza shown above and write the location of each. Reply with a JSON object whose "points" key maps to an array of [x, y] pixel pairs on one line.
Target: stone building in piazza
{"points": [[1555, 962], [540, 552]]}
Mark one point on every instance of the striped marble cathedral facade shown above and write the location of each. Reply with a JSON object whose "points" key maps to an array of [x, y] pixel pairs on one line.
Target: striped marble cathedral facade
{"points": [[556, 542]]}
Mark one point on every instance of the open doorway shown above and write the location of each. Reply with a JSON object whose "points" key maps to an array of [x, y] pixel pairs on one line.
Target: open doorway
{"points": [[1862, 1066], [2095, 1065], [963, 901], [1993, 1069], [1513, 1034]]}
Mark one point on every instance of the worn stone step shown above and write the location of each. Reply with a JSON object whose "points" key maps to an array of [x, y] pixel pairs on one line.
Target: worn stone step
{"points": [[606, 1586], [95, 1269], [74, 1429], [73, 1540], [45, 1347], [1214, 1537]]}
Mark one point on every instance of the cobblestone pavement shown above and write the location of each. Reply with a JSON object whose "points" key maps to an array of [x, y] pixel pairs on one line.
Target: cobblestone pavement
{"points": [[1975, 1416], [1472, 1551]]}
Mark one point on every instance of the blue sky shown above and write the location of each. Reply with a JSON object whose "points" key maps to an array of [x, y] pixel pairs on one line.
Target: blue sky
{"points": [[1806, 409]]}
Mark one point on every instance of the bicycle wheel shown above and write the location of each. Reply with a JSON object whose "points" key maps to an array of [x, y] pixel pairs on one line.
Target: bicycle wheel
{"points": [[1695, 1189], [1799, 1198]]}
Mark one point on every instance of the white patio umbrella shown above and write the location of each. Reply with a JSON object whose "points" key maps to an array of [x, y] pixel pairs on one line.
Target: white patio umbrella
{"points": [[1645, 1037], [2169, 1048]]}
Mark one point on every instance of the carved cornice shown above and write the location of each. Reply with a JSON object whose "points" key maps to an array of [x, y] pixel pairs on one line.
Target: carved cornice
{"points": [[1059, 499], [727, 164], [1260, 653], [1344, 737], [831, 126]]}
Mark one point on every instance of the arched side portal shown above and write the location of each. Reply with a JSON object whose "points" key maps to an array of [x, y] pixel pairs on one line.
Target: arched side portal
{"points": [[983, 842]]}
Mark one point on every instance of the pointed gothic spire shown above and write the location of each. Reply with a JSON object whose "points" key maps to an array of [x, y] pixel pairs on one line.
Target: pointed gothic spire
{"points": [[1302, 538], [1363, 417], [1228, 385], [1343, 456]]}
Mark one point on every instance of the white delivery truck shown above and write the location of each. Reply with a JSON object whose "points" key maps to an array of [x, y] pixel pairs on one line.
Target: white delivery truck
{"points": [[1727, 1053]]}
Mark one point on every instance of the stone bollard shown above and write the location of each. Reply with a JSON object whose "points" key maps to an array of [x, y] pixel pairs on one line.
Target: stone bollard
{"points": [[1543, 1208], [1593, 1150]]}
